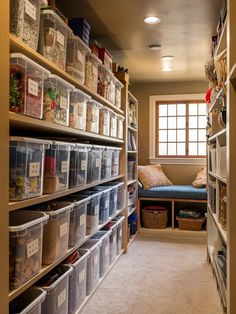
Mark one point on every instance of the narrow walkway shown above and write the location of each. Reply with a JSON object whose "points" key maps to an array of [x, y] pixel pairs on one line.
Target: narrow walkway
{"points": [[161, 274]]}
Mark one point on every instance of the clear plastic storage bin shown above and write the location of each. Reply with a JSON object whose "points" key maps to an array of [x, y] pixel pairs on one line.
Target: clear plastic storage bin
{"points": [[53, 38], [111, 89], [94, 163], [112, 226], [56, 231], [119, 240], [56, 301], [104, 202], [77, 281], [106, 162], [75, 59], [113, 124], [78, 165], [93, 207], [91, 71], [29, 302], [93, 264], [25, 252], [104, 121], [103, 80], [25, 21], [93, 112], [56, 100], [117, 196], [119, 87], [103, 236], [78, 216], [115, 161], [120, 126], [56, 170], [26, 167], [78, 109], [26, 86]]}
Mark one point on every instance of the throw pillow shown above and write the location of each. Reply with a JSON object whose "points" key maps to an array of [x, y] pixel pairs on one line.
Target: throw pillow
{"points": [[200, 180], [152, 175]]}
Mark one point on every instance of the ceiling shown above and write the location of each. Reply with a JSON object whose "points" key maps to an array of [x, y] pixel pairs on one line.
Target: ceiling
{"points": [[185, 32]]}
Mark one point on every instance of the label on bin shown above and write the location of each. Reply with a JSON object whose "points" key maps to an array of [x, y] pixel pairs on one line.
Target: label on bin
{"points": [[83, 165], [63, 102], [32, 247], [30, 10], [106, 250], [60, 38], [96, 209], [33, 88], [95, 260], [116, 160], [82, 219], [80, 57], [64, 166], [107, 203], [61, 298], [98, 163], [115, 198], [63, 229], [82, 276], [34, 169]]}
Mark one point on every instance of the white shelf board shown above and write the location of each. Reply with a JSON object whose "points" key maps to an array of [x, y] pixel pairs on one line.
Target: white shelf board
{"points": [[222, 179], [222, 232], [222, 40], [219, 134], [215, 104]]}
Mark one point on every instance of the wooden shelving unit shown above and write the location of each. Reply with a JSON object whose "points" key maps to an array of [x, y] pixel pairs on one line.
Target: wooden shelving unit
{"points": [[219, 236]]}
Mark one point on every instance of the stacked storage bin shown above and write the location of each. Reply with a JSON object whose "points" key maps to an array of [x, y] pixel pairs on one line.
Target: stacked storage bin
{"points": [[115, 161], [26, 242], [103, 236], [80, 28], [93, 116], [56, 284], [104, 121], [91, 71], [25, 21], [106, 162], [78, 165], [112, 226], [93, 264], [117, 196], [26, 86], [56, 231], [29, 301], [75, 59], [56, 100], [120, 126], [26, 167], [120, 223], [104, 203], [113, 124], [78, 109], [119, 87], [77, 281], [53, 38], [94, 163], [56, 170]]}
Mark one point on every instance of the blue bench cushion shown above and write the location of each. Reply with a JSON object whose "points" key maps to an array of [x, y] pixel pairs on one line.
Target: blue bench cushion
{"points": [[174, 191]]}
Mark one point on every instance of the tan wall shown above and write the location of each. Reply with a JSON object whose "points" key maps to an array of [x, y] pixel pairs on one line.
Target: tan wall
{"points": [[142, 91]]}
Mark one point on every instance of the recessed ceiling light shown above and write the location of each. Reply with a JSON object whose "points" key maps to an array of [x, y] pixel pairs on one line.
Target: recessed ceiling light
{"points": [[168, 57], [152, 20], [167, 69], [154, 47]]}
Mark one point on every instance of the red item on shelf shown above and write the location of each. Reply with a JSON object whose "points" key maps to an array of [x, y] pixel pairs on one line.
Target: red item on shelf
{"points": [[106, 57]]}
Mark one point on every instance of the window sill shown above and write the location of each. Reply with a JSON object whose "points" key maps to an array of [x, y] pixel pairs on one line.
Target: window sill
{"points": [[178, 161]]}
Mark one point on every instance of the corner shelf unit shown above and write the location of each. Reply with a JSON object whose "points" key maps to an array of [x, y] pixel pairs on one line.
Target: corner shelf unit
{"points": [[222, 175], [16, 123]]}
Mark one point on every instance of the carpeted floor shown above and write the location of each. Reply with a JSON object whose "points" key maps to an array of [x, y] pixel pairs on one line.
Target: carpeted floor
{"points": [[161, 274]]}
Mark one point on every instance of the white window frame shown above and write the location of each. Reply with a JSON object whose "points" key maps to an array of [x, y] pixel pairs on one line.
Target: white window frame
{"points": [[152, 127]]}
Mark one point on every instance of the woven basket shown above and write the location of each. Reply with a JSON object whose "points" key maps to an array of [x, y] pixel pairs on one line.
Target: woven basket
{"points": [[155, 217], [222, 206], [192, 224]]}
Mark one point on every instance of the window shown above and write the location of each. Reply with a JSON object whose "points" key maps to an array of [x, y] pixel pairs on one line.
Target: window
{"points": [[180, 129]]}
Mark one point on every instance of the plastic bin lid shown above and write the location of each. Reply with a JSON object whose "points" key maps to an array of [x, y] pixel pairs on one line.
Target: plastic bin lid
{"points": [[77, 199], [121, 117], [91, 193], [58, 78], [114, 185], [85, 254], [119, 220], [29, 139], [78, 39], [39, 67], [66, 206], [24, 219], [101, 235], [102, 188], [91, 54], [98, 146], [91, 245], [27, 300], [54, 142], [76, 90], [68, 269], [57, 18], [92, 101]]}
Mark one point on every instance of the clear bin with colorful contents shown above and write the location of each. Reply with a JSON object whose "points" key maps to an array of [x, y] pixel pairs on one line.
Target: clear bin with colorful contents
{"points": [[78, 165], [91, 71], [78, 109], [93, 115]]}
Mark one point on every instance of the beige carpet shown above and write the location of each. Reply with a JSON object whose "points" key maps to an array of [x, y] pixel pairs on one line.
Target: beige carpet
{"points": [[161, 274]]}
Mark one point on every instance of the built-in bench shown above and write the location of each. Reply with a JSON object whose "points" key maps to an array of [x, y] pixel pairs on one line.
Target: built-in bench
{"points": [[173, 194]]}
